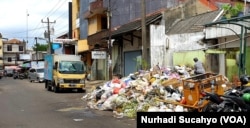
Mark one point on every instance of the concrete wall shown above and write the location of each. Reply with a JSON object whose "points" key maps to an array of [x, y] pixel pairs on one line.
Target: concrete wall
{"points": [[158, 45], [125, 11], [164, 46], [84, 6], [227, 30], [75, 19], [186, 58], [184, 43]]}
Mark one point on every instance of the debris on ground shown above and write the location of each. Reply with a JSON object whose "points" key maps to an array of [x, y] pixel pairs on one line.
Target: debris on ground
{"points": [[142, 91]]}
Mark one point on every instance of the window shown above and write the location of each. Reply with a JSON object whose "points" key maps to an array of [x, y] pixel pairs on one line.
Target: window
{"points": [[20, 48], [9, 47], [104, 23], [9, 59]]}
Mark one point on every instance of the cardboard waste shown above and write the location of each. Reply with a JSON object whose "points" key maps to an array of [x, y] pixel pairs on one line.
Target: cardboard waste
{"points": [[141, 91]]}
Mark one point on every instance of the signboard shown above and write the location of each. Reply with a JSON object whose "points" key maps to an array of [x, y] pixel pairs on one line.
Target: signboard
{"points": [[65, 40], [24, 56], [37, 64], [98, 54], [48, 67]]}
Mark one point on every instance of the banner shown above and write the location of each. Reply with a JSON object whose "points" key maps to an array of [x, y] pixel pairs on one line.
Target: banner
{"points": [[192, 120]]}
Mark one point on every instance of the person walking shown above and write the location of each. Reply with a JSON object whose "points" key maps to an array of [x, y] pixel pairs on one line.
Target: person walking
{"points": [[198, 67]]}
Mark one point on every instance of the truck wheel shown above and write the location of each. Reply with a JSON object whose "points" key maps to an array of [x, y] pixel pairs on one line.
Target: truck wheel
{"points": [[48, 86], [55, 89], [45, 84]]}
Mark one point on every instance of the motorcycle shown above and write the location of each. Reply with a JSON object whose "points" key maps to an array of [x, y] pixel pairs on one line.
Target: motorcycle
{"points": [[214, 101], [234, 100], [17, 75]]}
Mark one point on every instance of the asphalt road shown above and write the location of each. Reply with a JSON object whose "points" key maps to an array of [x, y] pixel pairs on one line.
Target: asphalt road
{"points": [[30, 105]]}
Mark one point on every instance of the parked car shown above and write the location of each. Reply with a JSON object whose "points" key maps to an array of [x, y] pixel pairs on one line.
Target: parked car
{"points": [[36, 74]]}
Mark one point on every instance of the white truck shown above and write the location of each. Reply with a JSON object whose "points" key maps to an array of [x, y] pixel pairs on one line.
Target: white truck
{"points": [[64, 72]]}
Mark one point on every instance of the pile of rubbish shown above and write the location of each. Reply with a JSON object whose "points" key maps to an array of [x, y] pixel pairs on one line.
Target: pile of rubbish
{"points": [[143, 91]]}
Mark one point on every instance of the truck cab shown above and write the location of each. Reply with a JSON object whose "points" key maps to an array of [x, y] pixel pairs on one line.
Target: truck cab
{"points": [[66, 72]]}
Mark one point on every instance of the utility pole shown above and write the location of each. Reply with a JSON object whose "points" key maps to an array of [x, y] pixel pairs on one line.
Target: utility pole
{"points": [[109, 42], [27, 33], [36, 52], [49, 42], [143, 32]]}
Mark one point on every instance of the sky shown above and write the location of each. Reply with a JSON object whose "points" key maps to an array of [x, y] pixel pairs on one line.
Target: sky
{"points": [[22, 19]]}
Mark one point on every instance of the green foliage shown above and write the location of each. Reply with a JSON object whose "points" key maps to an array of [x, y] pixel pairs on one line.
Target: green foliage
{"points": [[141, 64], [40, 47], [232, 11]]}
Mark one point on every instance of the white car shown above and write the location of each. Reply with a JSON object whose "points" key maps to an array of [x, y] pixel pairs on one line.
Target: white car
{"points": [[36, 74]]}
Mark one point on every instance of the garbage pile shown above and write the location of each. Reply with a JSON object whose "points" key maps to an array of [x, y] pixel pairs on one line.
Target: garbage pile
{"points": [[143, 91]]}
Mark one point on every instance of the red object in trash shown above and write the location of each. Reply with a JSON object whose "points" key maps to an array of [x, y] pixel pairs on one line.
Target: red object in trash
{"points": [[116, 90], [116, 81], [183, 101]]}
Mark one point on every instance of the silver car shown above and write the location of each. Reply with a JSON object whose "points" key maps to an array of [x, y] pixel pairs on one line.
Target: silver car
{"points": [[36, 74]]}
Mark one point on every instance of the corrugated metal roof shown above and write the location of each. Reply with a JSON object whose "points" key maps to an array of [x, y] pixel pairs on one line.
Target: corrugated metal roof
{"points": [[135, 25], [193, 24]]}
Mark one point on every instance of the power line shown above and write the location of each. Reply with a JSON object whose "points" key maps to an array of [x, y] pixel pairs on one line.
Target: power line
{"points": [[57, 8], [52, 11]]}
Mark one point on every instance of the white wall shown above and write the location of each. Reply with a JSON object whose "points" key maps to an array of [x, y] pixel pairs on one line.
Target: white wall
{"points": [[15, 48], [158, 45], [184, 42], [163, 46], [227, 30]]}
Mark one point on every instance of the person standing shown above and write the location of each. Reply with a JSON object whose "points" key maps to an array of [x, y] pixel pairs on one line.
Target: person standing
{"points": [[198, 67]]}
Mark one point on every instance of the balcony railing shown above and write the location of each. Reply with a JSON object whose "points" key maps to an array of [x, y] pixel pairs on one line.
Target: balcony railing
{"points": [[95, 7]]}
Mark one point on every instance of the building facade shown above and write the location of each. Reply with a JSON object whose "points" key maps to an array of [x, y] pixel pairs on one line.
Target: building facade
{"points": [[113, 28], [11, 52]]}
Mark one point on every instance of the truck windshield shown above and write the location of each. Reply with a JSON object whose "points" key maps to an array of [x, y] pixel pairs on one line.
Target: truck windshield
{"points": [[71, 67]]}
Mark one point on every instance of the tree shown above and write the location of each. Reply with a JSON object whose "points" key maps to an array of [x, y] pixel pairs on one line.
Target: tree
{"points": [[40, 47], [232, 10]]}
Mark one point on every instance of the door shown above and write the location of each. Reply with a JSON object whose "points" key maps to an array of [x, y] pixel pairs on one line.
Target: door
{"points": [[130, 62]]}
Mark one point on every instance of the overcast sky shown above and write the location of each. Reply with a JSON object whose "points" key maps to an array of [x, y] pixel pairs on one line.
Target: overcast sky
{"points": [[19, 18]]}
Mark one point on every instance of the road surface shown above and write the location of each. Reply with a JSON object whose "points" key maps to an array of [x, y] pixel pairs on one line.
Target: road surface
{"points": [[30, 105]]}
